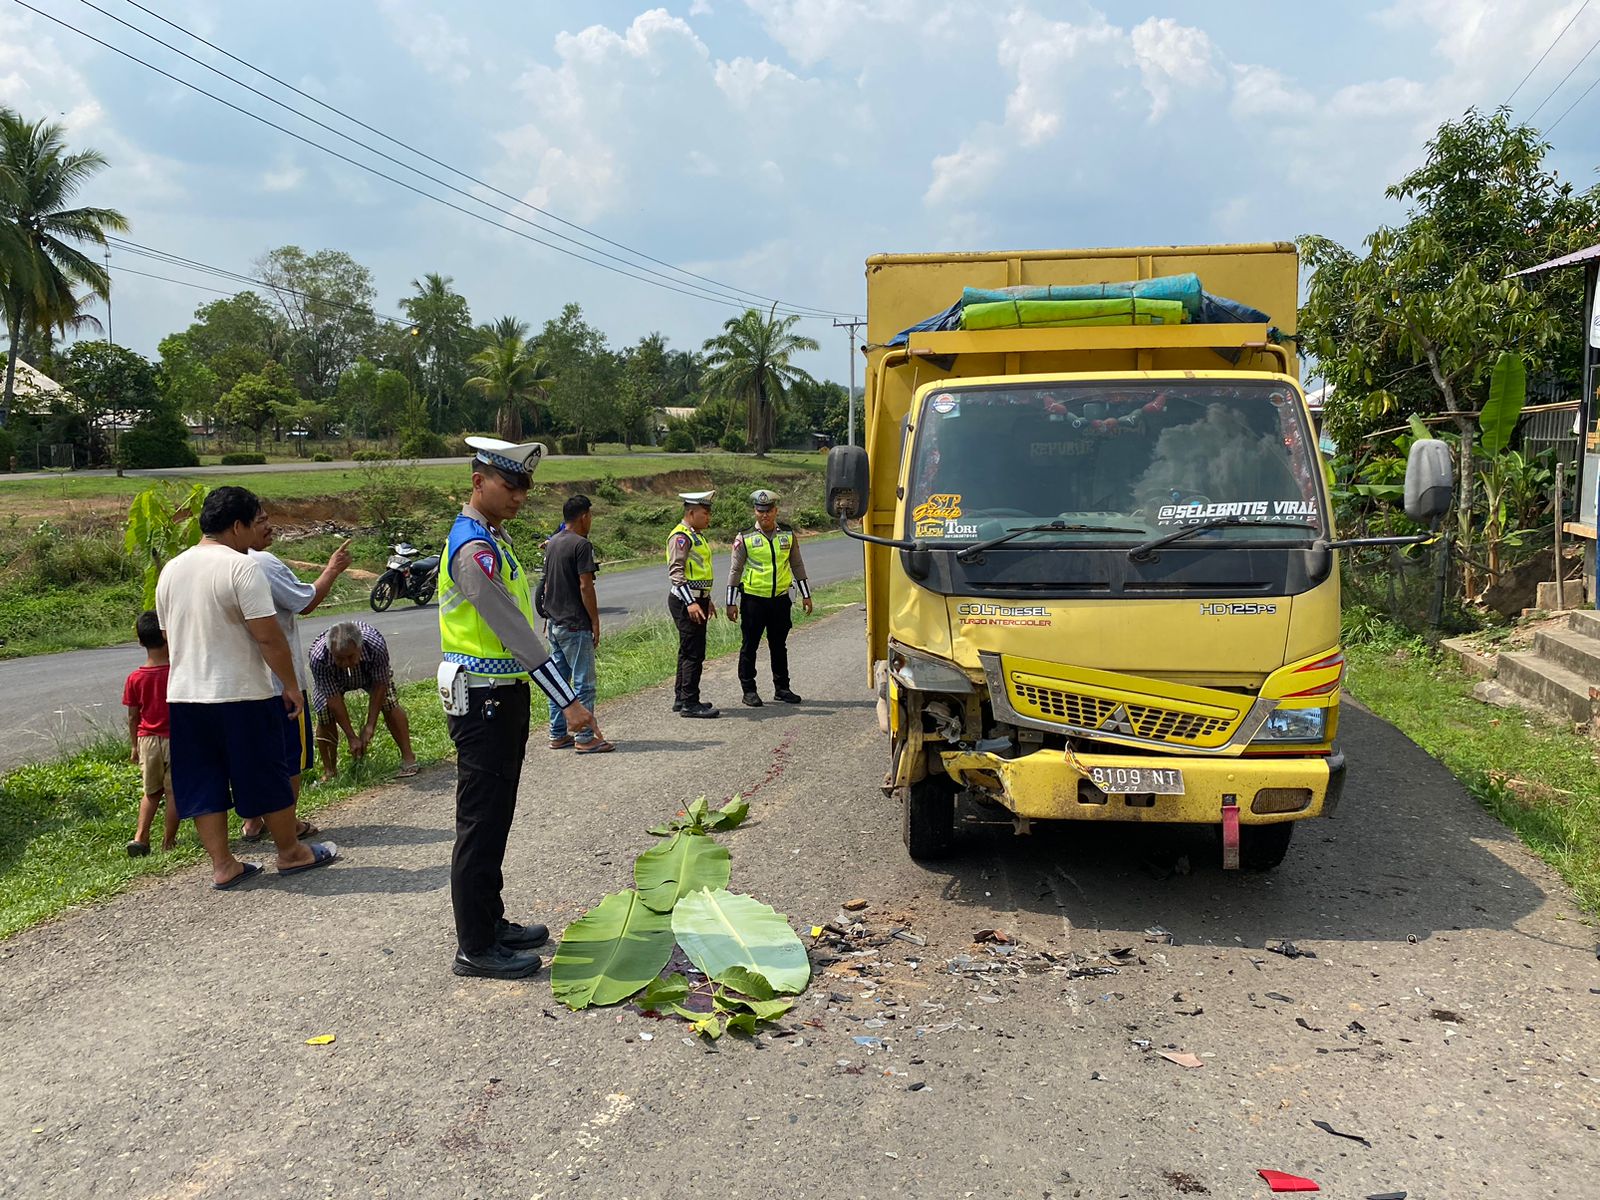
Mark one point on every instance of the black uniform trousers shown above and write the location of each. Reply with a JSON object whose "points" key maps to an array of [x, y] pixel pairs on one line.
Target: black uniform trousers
{"points": [[771, 616], [491, 740], [691, 651]]}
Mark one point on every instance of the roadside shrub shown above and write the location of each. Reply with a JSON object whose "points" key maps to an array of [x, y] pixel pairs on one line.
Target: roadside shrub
{"points": [[812, 518], [733, 442], [8, 448], [62, 560], [160, 440], [423, 443], [243, 460], [571, 443], [371, 456], [319, 457], [678, 441], [609, 489]]}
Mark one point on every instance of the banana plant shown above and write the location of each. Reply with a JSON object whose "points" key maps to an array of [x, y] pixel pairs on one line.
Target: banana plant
{"points": [[1508, 392], [162, 523]]}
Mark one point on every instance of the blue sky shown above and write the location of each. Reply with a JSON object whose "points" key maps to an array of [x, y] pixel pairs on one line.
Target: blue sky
{"points": [[773, 144]]}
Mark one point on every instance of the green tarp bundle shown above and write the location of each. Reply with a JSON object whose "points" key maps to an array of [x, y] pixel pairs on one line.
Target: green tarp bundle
{"points": [[1056, 314], [1183, 288]]}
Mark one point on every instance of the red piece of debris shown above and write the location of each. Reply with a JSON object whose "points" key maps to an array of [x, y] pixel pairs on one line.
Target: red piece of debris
{"points": [[1280, 1182]]}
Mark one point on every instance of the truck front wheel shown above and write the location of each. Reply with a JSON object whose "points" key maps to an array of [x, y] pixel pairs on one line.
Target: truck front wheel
{"points": [[1262, 847], [928, 817]]}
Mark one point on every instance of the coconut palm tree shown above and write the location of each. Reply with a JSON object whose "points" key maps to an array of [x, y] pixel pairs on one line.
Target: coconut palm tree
{"points": [[748, 363], [513, 374], [443, 331], [39, 265]]}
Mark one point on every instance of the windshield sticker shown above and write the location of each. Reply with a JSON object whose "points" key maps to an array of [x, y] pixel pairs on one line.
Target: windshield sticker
{"points": [[938, 514], [1077, 449], [946, 405], [1193, 514]]}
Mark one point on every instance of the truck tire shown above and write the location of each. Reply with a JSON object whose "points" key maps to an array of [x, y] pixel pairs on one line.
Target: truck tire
{"points": [[928, 817], [1262, 847]]}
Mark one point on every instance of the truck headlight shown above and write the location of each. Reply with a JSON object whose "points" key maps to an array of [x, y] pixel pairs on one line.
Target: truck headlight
{"points": [[920, 672], [1294, 725]]}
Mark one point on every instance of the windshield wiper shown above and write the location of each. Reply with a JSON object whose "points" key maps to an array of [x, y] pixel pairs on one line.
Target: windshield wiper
{"points": [[1142, 551], [970, 552]]}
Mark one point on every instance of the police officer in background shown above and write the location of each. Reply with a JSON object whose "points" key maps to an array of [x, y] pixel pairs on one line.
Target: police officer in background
{"points": [[689, 600], [766, 563], [491, 651]]}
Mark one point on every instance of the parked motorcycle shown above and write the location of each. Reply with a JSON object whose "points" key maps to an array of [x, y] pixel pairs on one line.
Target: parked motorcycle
{"points": [[407, 577]]}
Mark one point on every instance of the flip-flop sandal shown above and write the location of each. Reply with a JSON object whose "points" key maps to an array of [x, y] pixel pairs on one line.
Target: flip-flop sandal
{"points": [[256, 836], [251, 870], [561, 743], [598, 746], [306, 829], [406, 772], [322, 853]]}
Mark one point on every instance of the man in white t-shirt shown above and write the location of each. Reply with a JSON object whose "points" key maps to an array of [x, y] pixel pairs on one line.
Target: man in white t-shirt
{"points": [[294, 599], [215, 607]]}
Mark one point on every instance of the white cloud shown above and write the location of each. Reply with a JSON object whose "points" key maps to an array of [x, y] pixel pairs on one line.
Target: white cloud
{"points": [[963, 174], [284, 178], [429, 38], [851, 30], [1170, 57]]}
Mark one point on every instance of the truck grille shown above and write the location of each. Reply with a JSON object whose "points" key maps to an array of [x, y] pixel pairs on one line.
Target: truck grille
{"points": [[1050, 701]]}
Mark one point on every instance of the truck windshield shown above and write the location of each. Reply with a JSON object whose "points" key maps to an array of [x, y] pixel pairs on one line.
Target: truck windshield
{"points": [[1145, 456]]}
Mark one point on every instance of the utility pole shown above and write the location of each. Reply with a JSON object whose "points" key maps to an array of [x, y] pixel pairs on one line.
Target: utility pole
{"points": [[851, 326]]}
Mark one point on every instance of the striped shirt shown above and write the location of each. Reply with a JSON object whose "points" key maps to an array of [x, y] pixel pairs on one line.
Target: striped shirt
{"points": [[330, 679]]}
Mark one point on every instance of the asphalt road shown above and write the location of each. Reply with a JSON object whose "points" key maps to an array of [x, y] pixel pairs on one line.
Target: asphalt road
{"points": [[51, 702], [155, 1046], [273, 468]]}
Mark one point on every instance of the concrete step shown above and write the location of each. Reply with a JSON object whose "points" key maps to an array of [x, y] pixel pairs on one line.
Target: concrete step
{"points": [[1584, 621], [1577, 652], [1548, 685]]}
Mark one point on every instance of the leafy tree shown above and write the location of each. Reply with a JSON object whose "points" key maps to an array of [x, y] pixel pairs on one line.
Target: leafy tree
{"points": [[236, 336], [443, 339], [158, 439], [40, 264], [256, 399], [514, 376], [110, 383], [583, 396], [326, 299], [749, 363], [1416, 323], [643, 389], [186, 383]]}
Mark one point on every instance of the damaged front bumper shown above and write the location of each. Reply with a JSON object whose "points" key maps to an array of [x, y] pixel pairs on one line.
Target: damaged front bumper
{"points": [[1048, 785]]}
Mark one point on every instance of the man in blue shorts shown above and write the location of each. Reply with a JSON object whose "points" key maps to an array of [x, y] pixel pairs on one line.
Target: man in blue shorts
{"points": [[215, 607]]}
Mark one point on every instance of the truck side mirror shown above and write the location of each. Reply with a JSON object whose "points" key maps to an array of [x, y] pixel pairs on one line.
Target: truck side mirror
{"points": [[1430, 481], [847, 483]]}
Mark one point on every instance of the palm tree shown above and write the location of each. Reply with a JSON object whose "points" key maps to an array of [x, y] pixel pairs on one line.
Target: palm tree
{"points": [[39, 265], [748, 362], [512, 373], [443, 330]]}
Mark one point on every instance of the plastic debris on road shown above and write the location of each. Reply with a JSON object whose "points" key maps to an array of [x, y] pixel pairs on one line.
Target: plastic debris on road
{"points": [[1279, 1181], [322, 1039], [1158, 935], [1289, 950], [1354, 1137], [1182, 1058]]}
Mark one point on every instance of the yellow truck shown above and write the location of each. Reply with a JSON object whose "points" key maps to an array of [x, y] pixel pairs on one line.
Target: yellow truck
{"points": [[1101, 572]]}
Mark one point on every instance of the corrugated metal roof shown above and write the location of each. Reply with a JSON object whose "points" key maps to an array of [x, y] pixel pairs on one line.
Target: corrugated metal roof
{"points": [[1566, 260]]}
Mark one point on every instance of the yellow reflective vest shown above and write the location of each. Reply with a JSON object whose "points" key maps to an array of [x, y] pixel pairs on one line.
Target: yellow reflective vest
{"points": [[464, 636], [766, 565]]}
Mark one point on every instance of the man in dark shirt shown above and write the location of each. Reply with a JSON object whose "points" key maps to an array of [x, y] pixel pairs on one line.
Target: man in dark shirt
{"points": [[568, 599]]}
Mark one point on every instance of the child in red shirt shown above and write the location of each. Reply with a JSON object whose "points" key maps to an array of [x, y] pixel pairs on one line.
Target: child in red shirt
{"points": [[145, 696]]}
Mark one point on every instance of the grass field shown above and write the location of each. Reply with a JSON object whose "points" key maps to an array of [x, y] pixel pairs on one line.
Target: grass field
{"points": [[64, 824], [1529, 770], [66, 583]]}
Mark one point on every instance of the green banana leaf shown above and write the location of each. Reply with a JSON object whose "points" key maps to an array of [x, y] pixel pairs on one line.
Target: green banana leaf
{"points": [[720, 930], [1508, 392], [610, 952], [662, 993], [686, 862]]}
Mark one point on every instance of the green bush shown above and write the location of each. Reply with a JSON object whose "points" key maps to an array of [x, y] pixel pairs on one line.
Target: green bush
{"points": [[571, 443], [678, 441], [423, 443], [243, 460], [8, 447], [319, 457], [159, 440], [371, 456], [609, 489], [733, 442], [812, 518]]}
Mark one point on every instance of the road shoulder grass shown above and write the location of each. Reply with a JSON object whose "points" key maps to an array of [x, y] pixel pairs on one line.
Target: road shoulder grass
{"points": [[64, 824], [1530, 770]]}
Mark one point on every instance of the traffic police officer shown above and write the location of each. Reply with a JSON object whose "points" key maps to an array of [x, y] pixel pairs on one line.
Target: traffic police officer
{"points": [[689, 600], [491, 651], [766, 563]]}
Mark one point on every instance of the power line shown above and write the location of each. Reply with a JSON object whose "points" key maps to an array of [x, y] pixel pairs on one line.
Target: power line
{"points": [[1531, 69], [405, 166], [1564, 78], [685, 291], [1551, 128], [422, 154]]}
